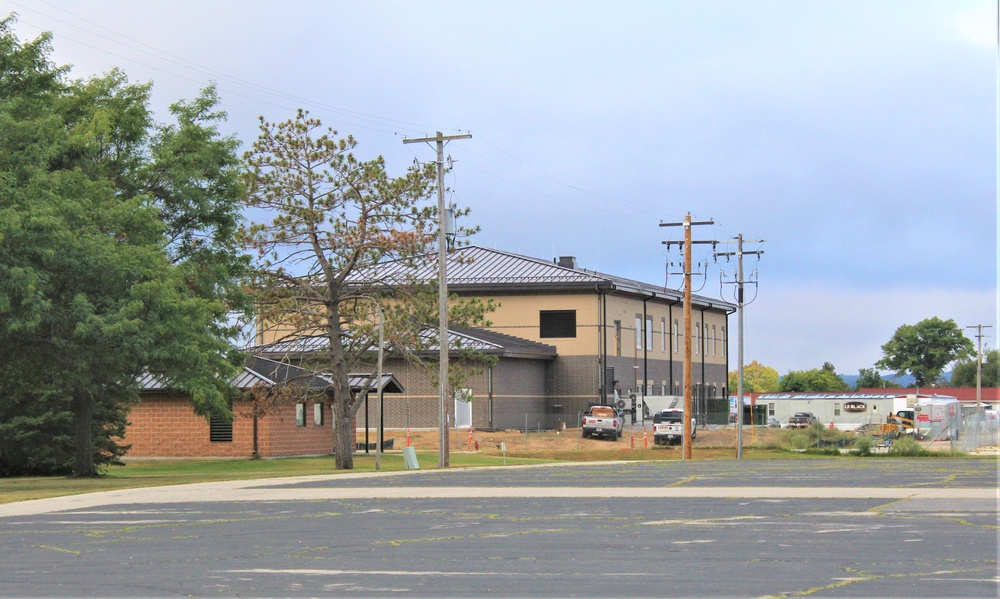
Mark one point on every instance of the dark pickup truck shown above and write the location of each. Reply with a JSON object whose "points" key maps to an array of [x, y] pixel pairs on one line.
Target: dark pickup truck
{"points": [[801, 420]]}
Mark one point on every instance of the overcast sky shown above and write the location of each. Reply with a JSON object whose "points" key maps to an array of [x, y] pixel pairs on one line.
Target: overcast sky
{"points": [[857, 138]]}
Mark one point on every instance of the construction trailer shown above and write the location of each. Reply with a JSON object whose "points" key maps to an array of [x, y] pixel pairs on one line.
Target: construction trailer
{"points": [[851, 411]]}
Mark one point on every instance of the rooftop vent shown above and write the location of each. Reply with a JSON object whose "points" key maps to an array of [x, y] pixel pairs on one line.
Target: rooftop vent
{"points": [[567, 261]]}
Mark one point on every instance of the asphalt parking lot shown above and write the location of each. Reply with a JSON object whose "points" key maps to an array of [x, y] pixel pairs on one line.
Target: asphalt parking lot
{"points": [[822, 528]]}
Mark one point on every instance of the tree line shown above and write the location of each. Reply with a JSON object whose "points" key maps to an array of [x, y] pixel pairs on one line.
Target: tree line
{"points": [[922, 350]]}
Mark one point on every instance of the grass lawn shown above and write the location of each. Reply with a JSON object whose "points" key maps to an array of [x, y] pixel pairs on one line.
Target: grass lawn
{"points": [[155, 473]]}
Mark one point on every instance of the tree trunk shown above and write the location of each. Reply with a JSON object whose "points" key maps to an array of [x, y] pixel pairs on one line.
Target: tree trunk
{"points": [[342, 437], [256, 453], [83, 418]]}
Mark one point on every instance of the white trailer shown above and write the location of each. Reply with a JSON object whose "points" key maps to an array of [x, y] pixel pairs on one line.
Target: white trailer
{"points": [[938, 417]]}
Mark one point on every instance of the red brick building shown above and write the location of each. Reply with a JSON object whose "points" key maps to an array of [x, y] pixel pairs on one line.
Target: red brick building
{"points": [[165, 425]]}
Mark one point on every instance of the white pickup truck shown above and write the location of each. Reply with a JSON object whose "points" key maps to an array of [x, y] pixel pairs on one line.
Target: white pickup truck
{"points": [[603, 421], [668, 427]]}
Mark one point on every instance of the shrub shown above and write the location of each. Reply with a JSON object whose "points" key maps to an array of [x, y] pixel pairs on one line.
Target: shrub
{"points": [[906, 446], [863, 445]]}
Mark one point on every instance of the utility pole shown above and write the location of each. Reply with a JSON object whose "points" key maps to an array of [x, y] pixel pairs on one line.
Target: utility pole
{"points": [[686, 248], [439, 139], [739, 318], [979, 365]]}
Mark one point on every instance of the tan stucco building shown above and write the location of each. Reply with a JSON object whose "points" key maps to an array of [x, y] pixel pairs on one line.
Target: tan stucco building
{"points": [[609, 333]]}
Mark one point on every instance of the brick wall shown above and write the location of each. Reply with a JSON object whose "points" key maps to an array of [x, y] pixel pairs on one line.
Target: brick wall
{"points": [[286, 438], [163, 426], [519, 392], [167, 427], [518, 389]]}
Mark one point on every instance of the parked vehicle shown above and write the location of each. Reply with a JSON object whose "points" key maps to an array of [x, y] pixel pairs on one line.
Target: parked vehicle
{"points": [[900, 423], [668, 427], [801, 420], [603, 421]]}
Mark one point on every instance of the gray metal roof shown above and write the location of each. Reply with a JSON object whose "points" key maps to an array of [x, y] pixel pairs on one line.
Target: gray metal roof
{"points": [[476, 269], [261, 370], [458, 339]]}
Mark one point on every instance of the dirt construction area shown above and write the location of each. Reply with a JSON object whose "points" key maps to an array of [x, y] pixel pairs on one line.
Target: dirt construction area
{"points": [[570, 441], [570, 444]]}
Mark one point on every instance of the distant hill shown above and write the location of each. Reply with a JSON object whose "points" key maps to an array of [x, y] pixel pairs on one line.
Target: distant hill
{"points": [[906, 380]]}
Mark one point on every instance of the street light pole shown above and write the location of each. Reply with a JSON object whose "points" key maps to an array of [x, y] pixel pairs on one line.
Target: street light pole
{"points": [[439, 139]]}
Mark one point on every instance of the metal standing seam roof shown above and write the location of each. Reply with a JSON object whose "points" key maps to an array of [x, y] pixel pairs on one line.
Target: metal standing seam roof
{"points": [[464, 339], [261, 370], [475, 266]]}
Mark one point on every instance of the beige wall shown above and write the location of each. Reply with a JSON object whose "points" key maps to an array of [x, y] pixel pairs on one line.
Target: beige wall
{"points": [[518, 316]]}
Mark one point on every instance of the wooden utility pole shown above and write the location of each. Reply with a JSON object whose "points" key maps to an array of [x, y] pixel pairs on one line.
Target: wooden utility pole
{"points": [[979, 366], [439, 139], [686, 248]]}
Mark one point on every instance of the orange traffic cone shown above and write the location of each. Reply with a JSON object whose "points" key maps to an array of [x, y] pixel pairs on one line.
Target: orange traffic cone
{"points": [[407, 436], [831, 425], [645, 439], [470, 437]]}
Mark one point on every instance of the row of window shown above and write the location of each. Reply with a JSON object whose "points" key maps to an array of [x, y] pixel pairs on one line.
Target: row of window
{"points": [[221, 431], [711, 341]]}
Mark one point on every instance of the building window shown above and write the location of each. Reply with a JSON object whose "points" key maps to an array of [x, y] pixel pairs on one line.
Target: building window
{"points": [[638, 331], [618, 338], [300, 414], [220, 430], [836, 409], [677, 333], [724, 341], [649, 332], [649, 389], [663, 334], [318, 414], [663, 389], [715, 342], [557, 323], [770, 409], [697, 339]]}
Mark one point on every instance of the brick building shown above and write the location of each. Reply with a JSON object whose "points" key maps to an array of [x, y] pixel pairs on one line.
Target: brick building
{"points": [[164, 424]]}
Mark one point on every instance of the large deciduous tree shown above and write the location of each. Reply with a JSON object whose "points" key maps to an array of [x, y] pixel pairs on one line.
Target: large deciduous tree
{"points": [[817, 380], [117, 258], [335, 232], [925, 349], [757, 378]]}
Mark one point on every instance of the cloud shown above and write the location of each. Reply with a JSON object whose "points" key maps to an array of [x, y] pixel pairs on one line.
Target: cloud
{"points": [[978, 25]]}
